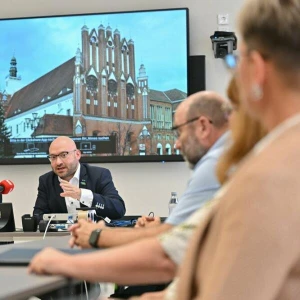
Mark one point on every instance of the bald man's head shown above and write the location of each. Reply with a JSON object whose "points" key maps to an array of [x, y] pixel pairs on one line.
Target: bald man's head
{"points": [[62, 141], [207, 103], [64, 157], [199, 121]]}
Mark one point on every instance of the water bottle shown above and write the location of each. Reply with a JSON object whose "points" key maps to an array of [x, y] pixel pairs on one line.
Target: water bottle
{"points": [[173, 202]]}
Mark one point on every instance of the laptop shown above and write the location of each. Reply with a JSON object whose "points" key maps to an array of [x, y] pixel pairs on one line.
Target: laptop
{"points": [[21, 257]]}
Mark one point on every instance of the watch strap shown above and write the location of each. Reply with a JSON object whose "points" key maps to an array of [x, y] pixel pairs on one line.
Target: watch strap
{"points": [[94, 237]]}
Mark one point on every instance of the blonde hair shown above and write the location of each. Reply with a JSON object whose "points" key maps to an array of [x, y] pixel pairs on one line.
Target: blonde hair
{"points": [[245, 132], [272, 27]]}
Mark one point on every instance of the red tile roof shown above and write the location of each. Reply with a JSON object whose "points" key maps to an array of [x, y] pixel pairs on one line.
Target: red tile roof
{"points": [[47, 87], [54, 125]]}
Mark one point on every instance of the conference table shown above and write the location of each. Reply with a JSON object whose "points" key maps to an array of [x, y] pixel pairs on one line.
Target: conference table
{"points": [[17, 284], [21, 236]]}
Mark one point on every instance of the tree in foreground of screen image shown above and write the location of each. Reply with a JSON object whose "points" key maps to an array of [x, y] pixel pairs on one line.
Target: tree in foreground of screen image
{"points": [[123, 136], [5, 146]]}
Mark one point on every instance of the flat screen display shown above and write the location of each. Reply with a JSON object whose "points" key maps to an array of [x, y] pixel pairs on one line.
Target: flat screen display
{"points": [[109, 81]]}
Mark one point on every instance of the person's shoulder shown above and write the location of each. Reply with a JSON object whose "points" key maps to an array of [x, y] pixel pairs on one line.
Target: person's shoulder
{"points": [[93, 168], [210, 158], [219, 147], [272, 162], [215, 151], [281, 151], [47, 175]]}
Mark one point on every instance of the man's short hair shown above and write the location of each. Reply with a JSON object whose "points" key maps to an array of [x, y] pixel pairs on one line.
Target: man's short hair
{"points": [[210, 106]]}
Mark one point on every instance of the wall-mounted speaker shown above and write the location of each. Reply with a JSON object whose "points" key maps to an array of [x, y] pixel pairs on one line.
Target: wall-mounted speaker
{"points": [[196, 77]]}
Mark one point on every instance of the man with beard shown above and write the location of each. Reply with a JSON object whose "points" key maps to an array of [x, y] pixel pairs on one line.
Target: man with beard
{"points": [[72, 185], [201, 123]]}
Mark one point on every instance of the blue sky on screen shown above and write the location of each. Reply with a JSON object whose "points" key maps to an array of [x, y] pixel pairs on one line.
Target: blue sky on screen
{"points": [[42, 44]]}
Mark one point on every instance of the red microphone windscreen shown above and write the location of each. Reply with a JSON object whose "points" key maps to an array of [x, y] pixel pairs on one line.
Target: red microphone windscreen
{"points": [[7, 185]]}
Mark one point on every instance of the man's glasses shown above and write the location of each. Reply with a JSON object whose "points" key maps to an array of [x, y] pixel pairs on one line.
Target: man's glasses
{"points": [[175, 128], [62, 155], [231, 60]]}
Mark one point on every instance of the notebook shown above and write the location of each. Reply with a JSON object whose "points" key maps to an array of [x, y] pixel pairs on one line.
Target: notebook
{"points": [[22, 256]]}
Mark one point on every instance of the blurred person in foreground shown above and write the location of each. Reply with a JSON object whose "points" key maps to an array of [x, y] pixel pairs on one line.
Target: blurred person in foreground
{"points": [[245, 132], [248, 245]]}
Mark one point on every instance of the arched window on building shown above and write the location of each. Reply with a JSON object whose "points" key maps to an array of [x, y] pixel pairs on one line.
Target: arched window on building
{"points": [[168, 149], [159, 149]]}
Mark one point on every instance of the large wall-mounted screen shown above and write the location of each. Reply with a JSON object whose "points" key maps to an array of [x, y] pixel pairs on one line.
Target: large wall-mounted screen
{"points": [[110, 81]]}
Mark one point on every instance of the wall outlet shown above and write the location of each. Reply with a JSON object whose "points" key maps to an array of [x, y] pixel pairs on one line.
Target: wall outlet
{"points": [[223, 19]]}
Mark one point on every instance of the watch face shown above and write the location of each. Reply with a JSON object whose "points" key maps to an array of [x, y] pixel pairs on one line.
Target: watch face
{"points": [[112, 87], [91, 83], [129, 90]]}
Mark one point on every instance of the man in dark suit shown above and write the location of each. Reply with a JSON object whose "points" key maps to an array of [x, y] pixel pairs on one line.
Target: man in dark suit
{"points": [[72, 185]]}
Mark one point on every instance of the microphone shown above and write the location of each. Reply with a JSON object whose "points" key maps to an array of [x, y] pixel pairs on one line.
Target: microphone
{"points": [[6, 186]]}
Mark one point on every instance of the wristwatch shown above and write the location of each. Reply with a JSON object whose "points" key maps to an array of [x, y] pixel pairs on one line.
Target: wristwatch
{"points": [[94, 237]]}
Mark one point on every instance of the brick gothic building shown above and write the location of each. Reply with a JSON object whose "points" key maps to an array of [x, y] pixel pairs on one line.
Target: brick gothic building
{"points": [[100, 92], [108, 97]]}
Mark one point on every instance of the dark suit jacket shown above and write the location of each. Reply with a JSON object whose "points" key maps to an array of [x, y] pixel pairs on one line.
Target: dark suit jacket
{"points": [[96, 179]]}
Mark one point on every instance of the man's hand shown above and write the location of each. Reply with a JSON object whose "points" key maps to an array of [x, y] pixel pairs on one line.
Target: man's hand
{"points": [[70, 190], [48, 261], [147, 221], [81, 232]]}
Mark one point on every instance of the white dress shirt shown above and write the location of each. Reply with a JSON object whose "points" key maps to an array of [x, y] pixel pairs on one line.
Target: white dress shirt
{"points": [[86, 195]]}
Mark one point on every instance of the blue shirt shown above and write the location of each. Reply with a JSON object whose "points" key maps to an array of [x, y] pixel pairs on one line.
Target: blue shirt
{"points": [[202, 185]]}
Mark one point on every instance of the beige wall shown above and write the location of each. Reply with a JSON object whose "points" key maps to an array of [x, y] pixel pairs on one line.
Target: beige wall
{"points": [[144, 186]]}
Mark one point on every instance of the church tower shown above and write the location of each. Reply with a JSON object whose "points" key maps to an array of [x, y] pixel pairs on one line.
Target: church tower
{"points": [[144, 91], [78, 121], [12, 80]]}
